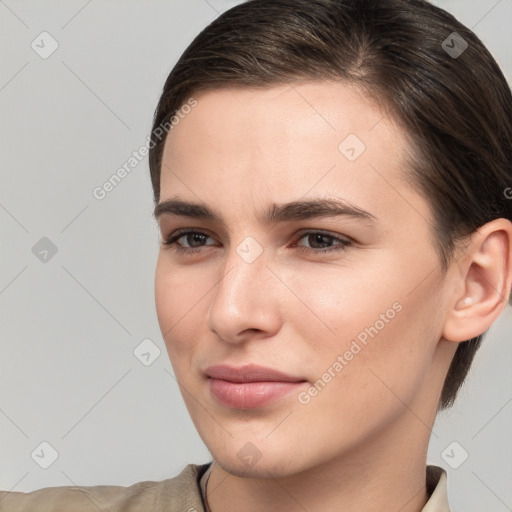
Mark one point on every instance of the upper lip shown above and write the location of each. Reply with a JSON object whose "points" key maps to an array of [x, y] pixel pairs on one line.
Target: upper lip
{"points": [[249, 373]]}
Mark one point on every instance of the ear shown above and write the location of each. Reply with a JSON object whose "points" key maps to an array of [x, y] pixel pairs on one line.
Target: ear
{"points": [[484, 274]]}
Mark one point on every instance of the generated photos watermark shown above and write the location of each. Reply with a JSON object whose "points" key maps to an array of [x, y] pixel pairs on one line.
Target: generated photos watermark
{"points": [[100, 192], [356, 346]]}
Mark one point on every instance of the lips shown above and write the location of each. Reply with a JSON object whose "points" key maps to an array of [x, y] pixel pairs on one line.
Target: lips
{"points": [[250, 386], [249, 373]]}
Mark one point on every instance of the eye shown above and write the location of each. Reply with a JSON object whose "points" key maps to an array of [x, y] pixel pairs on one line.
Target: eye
{"points": [[321, 238], [195, 240], [191, 237]]}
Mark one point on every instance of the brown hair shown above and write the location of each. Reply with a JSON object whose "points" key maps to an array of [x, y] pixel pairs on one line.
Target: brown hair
{"points": [[456, 109]]}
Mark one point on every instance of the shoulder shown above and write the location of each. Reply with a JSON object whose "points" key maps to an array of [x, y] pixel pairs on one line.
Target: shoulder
{"points": [[179, 493]]}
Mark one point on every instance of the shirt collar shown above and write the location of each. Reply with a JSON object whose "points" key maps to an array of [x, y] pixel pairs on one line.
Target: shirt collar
{"points": [[437, 490]]}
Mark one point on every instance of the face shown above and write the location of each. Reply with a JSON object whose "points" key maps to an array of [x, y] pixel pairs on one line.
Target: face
{"points": [[346, 303]]}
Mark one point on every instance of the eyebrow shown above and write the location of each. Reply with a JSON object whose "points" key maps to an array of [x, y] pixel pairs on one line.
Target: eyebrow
{"points": [[295, 210]]}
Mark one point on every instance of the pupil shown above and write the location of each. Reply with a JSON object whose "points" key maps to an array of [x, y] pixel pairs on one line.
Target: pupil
{"points": [[196, 237], [318, 238]]}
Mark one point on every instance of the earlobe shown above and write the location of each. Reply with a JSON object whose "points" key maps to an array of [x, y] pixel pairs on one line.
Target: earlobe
{"points": [[485, 268]]}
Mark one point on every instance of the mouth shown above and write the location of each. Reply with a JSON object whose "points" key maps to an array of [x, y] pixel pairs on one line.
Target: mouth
{"points": [[250, 386]]}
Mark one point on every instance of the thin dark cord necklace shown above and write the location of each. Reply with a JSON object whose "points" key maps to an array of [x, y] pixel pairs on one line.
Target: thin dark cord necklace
{"points": [[207, 507]]}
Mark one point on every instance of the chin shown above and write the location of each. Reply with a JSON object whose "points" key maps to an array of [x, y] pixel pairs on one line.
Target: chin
{"points": [[261, 469]]}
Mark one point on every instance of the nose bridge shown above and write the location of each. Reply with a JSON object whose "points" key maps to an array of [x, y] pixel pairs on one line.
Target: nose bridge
{"points": [[241, 300], [243, 269]]}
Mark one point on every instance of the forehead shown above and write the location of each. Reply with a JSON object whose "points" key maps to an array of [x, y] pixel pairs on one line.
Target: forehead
{"points": [[288, 111], [255, 146]]}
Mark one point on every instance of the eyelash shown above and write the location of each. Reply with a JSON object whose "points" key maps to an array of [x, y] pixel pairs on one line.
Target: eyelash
{"points": [[171, 242]]}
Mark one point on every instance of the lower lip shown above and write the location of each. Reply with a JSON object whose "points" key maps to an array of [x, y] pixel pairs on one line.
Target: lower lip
{"points": [[250, 395]]}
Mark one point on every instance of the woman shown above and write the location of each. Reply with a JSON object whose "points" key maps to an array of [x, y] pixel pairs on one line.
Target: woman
{"points": [[332, 185]]}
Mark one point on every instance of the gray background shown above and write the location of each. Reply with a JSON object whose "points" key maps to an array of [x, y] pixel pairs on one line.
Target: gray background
{"points": [[68, 374]]}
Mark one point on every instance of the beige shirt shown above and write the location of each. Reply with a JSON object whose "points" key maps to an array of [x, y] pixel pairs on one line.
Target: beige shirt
{"points": [[183, 493]]}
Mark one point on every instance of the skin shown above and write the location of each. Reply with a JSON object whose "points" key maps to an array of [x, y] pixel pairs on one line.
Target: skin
{"points": [[360, 443]]}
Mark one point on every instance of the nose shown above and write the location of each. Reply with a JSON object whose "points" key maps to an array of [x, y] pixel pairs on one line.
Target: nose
{"points": [[245, 302]]}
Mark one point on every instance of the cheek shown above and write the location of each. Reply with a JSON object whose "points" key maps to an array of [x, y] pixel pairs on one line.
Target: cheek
{"points": [[333, 305], [371, 340], [180, 300], [359, 388]]}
